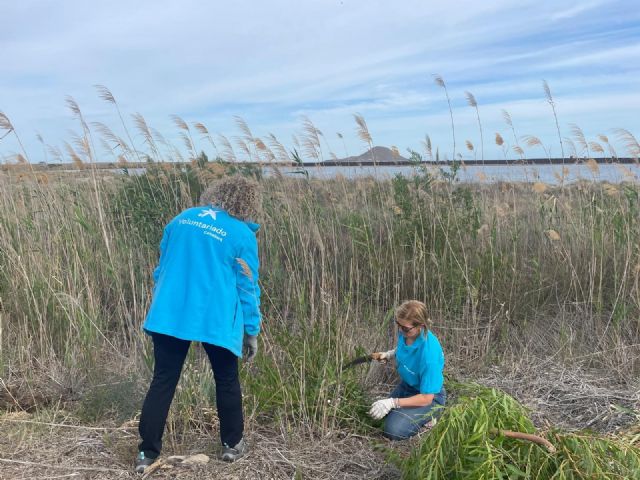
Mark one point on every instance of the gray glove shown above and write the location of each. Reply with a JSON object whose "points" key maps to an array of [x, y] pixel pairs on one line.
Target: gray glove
{"points": [[249, 347]]}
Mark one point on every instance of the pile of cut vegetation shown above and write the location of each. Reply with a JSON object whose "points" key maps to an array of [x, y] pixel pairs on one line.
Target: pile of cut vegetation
{"points": [[487, 434]]}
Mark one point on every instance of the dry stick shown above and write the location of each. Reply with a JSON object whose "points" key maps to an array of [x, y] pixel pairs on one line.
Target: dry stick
{"points": [[153, 467], [63, 425], [525, 436], [62, 467]]}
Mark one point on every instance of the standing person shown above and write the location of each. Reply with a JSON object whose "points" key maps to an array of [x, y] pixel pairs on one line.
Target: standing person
{"points": [[420, 396], [205, 290]]}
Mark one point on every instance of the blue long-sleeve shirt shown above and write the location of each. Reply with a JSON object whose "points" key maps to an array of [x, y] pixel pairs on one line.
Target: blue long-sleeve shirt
{"points": [[206, 283]]}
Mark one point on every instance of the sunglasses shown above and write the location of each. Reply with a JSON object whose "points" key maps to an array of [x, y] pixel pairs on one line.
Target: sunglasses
{"points": [[406, 329]]}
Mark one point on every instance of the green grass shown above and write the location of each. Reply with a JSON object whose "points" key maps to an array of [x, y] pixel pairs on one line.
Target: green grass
{"points": [[466, 443]]}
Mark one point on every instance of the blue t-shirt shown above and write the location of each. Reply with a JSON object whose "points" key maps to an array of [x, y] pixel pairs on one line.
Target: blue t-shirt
{"points": [[421, 363]]}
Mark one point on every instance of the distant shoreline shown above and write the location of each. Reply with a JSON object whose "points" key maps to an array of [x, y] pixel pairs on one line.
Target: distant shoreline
{"points": [[530, 161], [333, 163]]}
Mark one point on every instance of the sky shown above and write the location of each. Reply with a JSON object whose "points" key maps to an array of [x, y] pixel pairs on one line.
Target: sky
{"points": [[275, 63]]}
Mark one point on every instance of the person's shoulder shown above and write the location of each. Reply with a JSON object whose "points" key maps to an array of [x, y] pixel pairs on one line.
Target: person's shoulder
{"points": [[246, 228], [188, 212], [433, 344], [432, 337]]}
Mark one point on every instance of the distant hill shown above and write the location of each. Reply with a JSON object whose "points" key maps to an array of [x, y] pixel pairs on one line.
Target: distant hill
{"points": [[375, 154]]}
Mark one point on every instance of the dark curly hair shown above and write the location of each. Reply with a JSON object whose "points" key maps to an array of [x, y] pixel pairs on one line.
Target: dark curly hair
{"points": [[239, 196]]}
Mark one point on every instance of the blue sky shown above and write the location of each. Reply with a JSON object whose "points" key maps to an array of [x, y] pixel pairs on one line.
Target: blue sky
{"points": [[275, 62]]}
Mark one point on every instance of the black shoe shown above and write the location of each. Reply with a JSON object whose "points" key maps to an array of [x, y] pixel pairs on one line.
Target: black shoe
{"points": [[142, 462]]}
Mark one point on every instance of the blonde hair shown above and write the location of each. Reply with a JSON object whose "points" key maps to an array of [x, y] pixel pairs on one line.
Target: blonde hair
{"points": [[239, 196], [414, 311]]}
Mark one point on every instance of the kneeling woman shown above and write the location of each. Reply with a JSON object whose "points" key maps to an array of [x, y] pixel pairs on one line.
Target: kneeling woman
{"points": [[419, 398]]}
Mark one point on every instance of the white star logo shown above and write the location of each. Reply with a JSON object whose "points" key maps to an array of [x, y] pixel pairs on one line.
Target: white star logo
{"points": [[208, 212]]}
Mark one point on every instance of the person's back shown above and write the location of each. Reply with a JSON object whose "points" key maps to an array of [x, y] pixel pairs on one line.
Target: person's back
{"points": [[203, 256]]}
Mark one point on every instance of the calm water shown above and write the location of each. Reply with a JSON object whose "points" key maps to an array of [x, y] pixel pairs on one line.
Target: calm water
{"points": [[550, 174]]}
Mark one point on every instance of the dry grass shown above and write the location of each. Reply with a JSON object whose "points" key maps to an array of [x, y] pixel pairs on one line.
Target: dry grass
{"points": [[53, 442], [39, 447]]}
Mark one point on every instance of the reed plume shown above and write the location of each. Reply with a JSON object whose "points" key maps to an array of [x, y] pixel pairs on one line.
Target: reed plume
{"points": [[227, 152], [593, 166], [427, 146], [55, 152], [363, 133], [508, 120], [596, 147], [440, 82], [105, 94], [630, 142], [533, 141], [539, 187], [277, 147], [518, 149], [311, 139], [471, 100], [547, 93], [185, 135], [75, 158], [500, 143], [247, 136], [612, 152], [109, 136], [243, 147], [143, 128], [261, 147], [578, 134], [341, 137], [552, 235], [5, 123], [204, 131]]}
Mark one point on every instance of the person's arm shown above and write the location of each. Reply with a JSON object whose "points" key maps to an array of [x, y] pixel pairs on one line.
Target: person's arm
{"points": [[247, 286], [384, 357], [163, 249], [419, 400]]}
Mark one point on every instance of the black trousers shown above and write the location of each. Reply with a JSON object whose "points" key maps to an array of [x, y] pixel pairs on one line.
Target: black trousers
{"points": [[169, 354]]}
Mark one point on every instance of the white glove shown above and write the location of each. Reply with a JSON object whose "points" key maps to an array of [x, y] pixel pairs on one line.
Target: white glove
{"points": [[381, 408], [250, 347]]}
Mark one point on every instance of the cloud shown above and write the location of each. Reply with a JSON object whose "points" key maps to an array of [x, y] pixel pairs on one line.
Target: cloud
{"points": [[575, 11], [280, 59]]}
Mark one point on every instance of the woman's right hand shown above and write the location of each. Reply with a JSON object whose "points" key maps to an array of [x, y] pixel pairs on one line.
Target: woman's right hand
{"points": [[384, 357]]}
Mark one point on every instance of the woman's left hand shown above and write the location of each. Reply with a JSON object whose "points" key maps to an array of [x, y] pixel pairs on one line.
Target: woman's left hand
{"points": [[381, 408], [249, 347]]}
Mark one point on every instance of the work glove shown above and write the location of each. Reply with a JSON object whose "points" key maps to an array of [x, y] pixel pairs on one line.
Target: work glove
{"points": [[384, 357], [249, 347], [381, 408]]}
